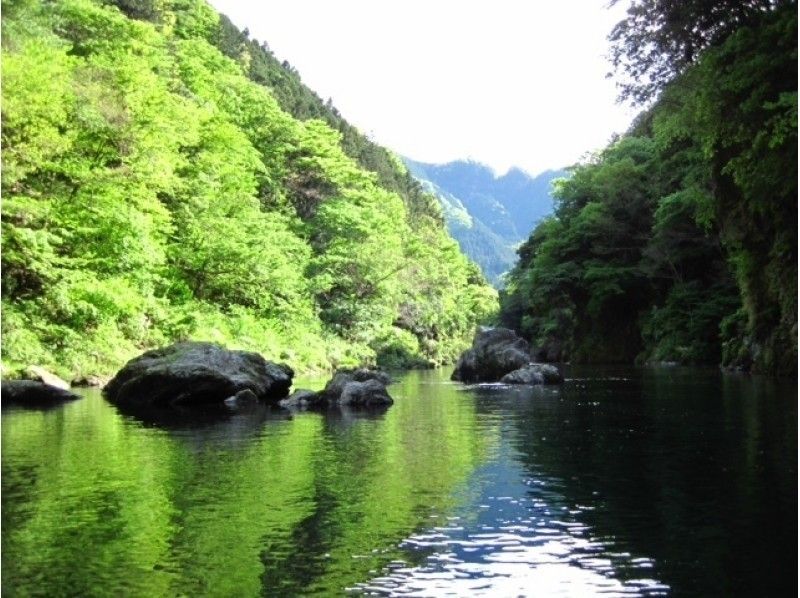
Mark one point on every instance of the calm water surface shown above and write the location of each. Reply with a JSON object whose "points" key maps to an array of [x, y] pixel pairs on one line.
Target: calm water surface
{"points": [[623, 482]]}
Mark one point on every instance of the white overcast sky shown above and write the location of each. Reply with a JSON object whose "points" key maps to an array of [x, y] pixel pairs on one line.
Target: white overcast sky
{"points": [[504, 82]]}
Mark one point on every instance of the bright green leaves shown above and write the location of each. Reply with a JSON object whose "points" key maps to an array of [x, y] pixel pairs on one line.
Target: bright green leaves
{"points": [[152, 192], [37, 98]]}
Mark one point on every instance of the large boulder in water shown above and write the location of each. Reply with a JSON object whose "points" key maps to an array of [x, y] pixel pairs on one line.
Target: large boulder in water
{"points": [[494, 353], [195, 373], [34, 393]]}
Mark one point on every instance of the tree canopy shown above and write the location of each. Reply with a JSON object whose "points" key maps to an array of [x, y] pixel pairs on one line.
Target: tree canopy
{"points": [[678, 242], [155, 190], [660, 39]]}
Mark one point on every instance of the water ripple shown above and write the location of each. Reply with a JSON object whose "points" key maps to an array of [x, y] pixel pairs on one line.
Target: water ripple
{"points": [[529, 546]]}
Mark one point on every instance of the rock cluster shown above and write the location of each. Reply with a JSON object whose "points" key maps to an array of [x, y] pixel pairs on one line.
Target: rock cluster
{"points": [[359, 388], [499, 355]]}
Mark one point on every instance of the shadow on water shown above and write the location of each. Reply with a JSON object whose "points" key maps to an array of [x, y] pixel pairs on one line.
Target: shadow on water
{"points": [[243, 415], [197, 417], [625, 482], [695, 469], [8, 408]]}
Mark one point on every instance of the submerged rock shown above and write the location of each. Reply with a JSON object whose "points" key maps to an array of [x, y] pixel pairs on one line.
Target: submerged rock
{"points": [[197, 373], [534, 373], [494, 353], [34, 393]]}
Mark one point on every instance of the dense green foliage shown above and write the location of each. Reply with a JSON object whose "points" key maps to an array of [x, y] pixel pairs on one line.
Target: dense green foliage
{"points": [[679, 241], [152, 191], [284, 82]]}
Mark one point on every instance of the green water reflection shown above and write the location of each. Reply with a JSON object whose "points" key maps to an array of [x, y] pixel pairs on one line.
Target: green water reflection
{"points": [[95, 503]]}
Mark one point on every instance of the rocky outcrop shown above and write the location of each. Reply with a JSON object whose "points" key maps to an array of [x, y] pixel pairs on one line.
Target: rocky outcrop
{"points": [[494, 353], [360, 388], [195, 373], [534, 373], [34, 393]]}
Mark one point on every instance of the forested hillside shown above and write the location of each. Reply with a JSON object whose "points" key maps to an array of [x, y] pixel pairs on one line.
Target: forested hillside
{"points": [[488, 215], [487, 249], [678, 242], [164, 178]]}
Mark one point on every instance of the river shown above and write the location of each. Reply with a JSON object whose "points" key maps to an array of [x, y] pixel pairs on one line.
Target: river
{"points": [[621, 482]]}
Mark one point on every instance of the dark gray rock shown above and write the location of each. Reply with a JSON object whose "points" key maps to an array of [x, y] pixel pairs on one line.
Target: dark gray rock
{"points": [[494, 353], [303, 399], [241, 399], [334, 388], [195, 373], [534, 373], [33, 393], [364, 374], [523, 375], [355, 389], [370, 393]]}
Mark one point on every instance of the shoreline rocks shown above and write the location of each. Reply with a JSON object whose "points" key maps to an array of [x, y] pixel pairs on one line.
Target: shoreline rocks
{"points": [[39, 374]]}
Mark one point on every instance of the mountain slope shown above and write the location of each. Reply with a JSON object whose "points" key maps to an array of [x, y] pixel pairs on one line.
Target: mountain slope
{"points": [[488, 215], [154, 190], [492, 253]]}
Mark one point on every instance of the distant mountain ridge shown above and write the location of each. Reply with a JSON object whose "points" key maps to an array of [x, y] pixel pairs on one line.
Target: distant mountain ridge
{"points": [[488, 215]]}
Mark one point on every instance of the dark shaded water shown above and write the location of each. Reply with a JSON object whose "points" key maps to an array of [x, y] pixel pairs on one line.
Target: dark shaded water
{"points": [[621, 482]]}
